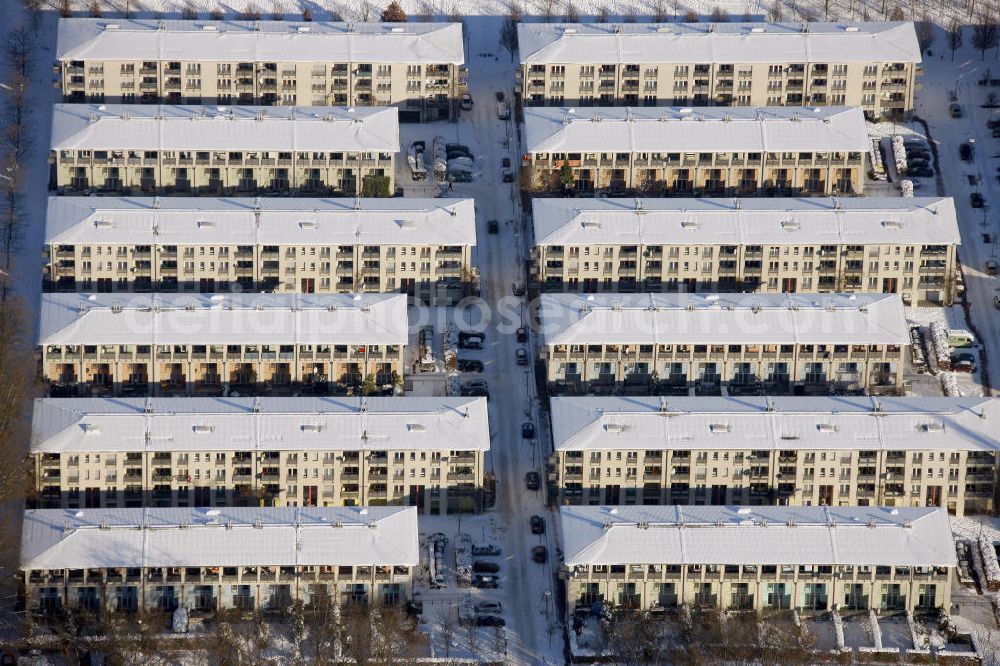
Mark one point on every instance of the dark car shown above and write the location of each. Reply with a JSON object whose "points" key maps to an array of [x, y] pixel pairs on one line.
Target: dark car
{"points": [[490, 621], [528, 430], [533, 481], [475, 393], [955, 110], [469, 365], [493, 227], [486, 549], [963, 356], [500, 96], [485, 581], [976, 200], [505, 163], [917, 155], [484, 567], [917, 163], [540, 554], [465, 335], [965, 152], [470, 343], [537, 525], [973, 180], [920, 172], [963, 366], [522, 334], [508, 177], [474, 385]]}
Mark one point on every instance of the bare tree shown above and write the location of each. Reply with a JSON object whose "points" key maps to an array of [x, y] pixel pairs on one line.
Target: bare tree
{"points": [[276, 13], [446, 627], [572, 13], [660, 11], [774, 14], [984, 33], [826, 10], [508, 33], [691, 16], [897, 14], [719, 15], [954, 36], [602, 13], [216, 14], [365, 11], [549, 9], [925, 33], [188, 11], [633, 638], [95, 9], [250, 13]]}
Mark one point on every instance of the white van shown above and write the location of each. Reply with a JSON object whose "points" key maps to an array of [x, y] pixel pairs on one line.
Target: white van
{"points": [[960, 338]]}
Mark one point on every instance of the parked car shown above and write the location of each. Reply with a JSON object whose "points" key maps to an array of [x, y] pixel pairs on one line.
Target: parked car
{"points": [[987, 238], [476, 384], [466, 102], [962, 366], [522, 334], [508, 176], [920, 172], [540, 554], [537, 525], [485, 582], [917, 163], [490, 621], [489, 607], [465, 335], [973, 180], [955, 110], [476, 393], [493, 227], [505, 163], [959, 357], [500, 96], [914, 143], [469, 365], [533, 480], [996, 301], [965, 152], [517, 288], [470, 343], [486, 549], [916, 153], [482, 566], [528, 430], [522, 356], [976, 200]]}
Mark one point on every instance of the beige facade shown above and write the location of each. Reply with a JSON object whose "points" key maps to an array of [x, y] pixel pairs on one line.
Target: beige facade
{"points": [[870, 65], [172, 344], [137, 560], [824, 452], [416, 67], [895, 245], [710, 152], [322, 452], [678, 342], [421, 247], [125, 149]]}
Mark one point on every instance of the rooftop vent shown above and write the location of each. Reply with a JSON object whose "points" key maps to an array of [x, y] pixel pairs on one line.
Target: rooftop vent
{"points": [[91, 429], [719, 428], [617, 427], [892, 224], [416, 427], [206, 224], [933, 427], [790, 225], [407, 224], [826, 427], [590, 224], [311, 427], [307, 224], [104, 224], [203, 429]]}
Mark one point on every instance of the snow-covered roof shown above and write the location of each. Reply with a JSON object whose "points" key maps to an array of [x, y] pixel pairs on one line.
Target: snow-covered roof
{"points": [[804, 535], [709, 129], [267, 221], [265, 424], [776, 423], [757, 221], [207, 128], [606, 318], [91, 39], [219, 319], [223, 537], [717, 43]]}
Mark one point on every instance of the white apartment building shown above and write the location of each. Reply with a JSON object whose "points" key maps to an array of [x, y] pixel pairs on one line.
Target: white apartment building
{"points": [[870, 65], [208, 560], [810, 559], [216, 344], [818, 451], [802, 343], [904, 246], [301, 451], [218, 150], [417, 67], [421, 247], [707, 151]]}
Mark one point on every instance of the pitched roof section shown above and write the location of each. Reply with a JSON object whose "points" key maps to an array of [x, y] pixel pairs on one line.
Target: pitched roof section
{"points": [[609, 129], [776, 424], [265, 424], [857, 536], [605, 318], [218, 319], [264, 221], [259, 41], [717, 43], [223, 128], [763, 221], [286, 536]]}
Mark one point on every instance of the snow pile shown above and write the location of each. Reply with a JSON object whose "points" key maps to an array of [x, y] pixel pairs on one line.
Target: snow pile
{"points": [[440, 160], [451, 348], [949, 384], [463, 559], [838, 628], [988, 553], [899, 153], [875, 159], [876, 630], [906, 188], [939, 340]]}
